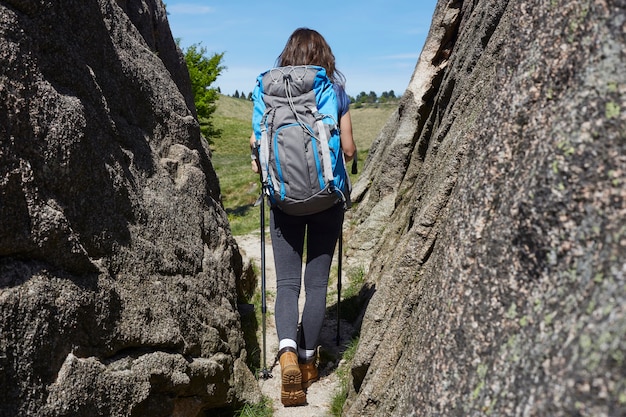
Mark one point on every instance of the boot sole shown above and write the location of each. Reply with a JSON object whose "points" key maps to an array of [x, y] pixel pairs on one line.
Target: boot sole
{"points": [[291, 393]]}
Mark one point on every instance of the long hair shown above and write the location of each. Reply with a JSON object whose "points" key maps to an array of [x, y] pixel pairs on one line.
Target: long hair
{"points": [[307, 47]]}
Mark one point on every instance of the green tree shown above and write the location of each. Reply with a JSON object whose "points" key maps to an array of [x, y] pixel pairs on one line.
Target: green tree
{"points": [[203, 71]]}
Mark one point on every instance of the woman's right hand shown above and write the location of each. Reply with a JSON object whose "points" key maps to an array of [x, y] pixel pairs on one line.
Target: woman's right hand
{"points": [[254, 153]]}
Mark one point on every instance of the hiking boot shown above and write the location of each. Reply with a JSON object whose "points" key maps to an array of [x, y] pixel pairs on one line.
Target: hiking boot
{"points": [[309, 371], [308, 368], [291, 392]]}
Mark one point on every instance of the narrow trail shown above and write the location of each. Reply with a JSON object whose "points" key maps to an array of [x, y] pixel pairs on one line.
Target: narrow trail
{"points": [[320, 394]]}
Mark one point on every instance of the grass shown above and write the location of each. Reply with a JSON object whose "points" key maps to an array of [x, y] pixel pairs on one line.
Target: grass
{"points": [[343, 373], [262, 409], [231, 155], [351, 306], [231, 160], [353, 298], [367, 122]]}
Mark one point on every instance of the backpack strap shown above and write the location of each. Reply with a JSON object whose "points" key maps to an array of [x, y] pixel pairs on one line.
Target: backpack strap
{"points": [[326, 161], [264, 154]]}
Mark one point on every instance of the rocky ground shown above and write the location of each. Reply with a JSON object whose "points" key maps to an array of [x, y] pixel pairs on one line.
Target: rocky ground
{"points": [[320, 394]]}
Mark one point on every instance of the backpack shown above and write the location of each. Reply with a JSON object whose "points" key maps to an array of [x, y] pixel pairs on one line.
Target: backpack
{"points": [[297, 134]]}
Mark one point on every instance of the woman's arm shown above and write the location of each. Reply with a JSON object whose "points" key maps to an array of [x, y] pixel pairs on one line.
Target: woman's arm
{"points": [[254, 151], [347, 141]]}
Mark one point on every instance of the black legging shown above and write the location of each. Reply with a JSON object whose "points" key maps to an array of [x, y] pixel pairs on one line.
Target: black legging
{"points": [[288, 232]]}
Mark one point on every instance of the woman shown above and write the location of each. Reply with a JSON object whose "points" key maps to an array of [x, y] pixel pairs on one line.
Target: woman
{"points": [[298, 357]]}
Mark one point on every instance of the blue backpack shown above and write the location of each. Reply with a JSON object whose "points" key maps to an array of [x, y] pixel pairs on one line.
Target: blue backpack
{"points": [[297, 135]]}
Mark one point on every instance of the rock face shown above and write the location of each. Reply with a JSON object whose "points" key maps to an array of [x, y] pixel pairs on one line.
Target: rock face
{"points": [[117, 266], [499, 283]]}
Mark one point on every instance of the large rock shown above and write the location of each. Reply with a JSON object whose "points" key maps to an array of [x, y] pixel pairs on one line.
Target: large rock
{"points": [[117, 266], [499, 280]]}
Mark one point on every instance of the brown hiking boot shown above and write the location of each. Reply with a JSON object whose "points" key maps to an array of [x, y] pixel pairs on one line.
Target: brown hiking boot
{"points": [[309, 373], [309, 370], [291, 392]]}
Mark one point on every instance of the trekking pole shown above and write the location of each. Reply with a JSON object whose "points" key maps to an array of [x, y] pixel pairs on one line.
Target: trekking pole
{"points": [[339, 261], [265, 373]]}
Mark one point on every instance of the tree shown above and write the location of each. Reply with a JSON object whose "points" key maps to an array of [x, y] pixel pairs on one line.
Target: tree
{"points": [[360, 98], [387, 96], [203, 71]]}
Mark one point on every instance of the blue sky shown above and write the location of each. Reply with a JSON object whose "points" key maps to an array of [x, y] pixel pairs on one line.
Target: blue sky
{"points": [[376, 42]]}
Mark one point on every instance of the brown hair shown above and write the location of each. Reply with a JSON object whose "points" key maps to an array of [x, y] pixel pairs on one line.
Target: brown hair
{"points": [[307, 47]]}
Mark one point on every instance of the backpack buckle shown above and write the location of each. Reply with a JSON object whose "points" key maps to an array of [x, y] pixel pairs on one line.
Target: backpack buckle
{"points": [[316, 113]]}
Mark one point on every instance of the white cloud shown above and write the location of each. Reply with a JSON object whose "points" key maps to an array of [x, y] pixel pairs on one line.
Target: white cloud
{"points": [[188, 8]]}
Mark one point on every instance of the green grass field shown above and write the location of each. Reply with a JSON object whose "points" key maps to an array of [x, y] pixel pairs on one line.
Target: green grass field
{"points": [[231, 155]]}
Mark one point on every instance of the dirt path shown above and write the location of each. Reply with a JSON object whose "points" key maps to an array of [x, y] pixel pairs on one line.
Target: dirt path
{"points": [[320, 394]]}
